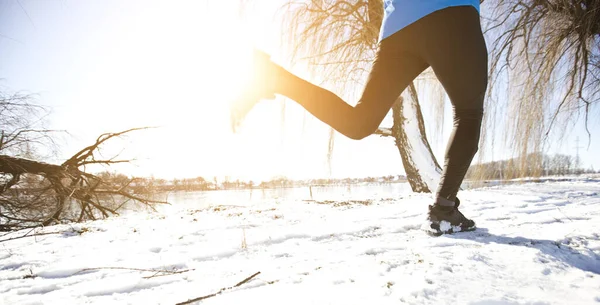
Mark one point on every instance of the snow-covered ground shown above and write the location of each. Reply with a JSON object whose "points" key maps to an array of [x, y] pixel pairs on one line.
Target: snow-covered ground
{"points": [[537, 243]]}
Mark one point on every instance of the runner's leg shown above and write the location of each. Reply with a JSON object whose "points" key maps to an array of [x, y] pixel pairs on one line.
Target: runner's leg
{"points": [[458, 55], [392, 71]]}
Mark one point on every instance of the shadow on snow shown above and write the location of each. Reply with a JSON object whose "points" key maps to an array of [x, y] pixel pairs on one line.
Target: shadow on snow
{"points": [[571, 251]]}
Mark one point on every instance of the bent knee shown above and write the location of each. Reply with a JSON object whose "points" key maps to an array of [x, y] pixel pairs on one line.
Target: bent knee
{"points": [[360, 131], [474, 149], [468, 116], [358, 135], [469, 113]]}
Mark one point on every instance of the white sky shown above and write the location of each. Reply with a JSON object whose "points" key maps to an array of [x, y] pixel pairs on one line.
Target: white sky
{"points": [[105, 66]]}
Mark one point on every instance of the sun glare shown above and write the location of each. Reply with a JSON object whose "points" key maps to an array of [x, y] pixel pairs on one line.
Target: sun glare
{"points": [[208, 70], [179, 74], [178, 66]]}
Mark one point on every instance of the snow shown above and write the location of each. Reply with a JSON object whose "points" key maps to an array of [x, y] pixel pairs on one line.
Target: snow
{"points": [[536, 243]]}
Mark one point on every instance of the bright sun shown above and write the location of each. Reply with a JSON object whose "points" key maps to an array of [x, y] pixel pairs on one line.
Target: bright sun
{"points": [[180, 73], [208, 68]]}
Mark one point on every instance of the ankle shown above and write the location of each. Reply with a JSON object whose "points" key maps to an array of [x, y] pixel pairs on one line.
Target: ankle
{"points": [[441, 201]]}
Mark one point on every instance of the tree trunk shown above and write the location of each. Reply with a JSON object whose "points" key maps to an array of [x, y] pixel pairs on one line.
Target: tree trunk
{"points": [[17, 166], [422, 169]]}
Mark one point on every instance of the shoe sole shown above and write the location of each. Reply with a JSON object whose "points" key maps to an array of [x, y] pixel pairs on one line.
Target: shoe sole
{"points": [[437, 233], [435, 230]]}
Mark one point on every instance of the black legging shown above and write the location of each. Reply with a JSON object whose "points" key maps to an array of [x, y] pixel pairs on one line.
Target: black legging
{"points": [[452, 43]]}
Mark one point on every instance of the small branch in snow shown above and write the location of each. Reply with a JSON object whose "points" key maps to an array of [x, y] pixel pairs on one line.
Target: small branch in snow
{"points": [[166, 272], [30, 235], [246, 280], [157, 272], [218, 292]]}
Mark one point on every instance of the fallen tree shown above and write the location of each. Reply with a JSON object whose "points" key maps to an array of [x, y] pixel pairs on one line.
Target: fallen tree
{"points": [[34, 193]]}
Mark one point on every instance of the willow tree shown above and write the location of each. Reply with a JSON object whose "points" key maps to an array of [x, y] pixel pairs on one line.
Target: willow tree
{"points": [[22, 124], [545, 67], [337, 40], [544, 72]]}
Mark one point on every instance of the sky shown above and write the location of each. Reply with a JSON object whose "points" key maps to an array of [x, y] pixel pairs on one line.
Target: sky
{"points": [[106, 66]]}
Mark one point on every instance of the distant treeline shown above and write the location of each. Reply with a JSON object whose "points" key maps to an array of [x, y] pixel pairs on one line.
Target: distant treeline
{"points": [[534, 165], [152, 184]]}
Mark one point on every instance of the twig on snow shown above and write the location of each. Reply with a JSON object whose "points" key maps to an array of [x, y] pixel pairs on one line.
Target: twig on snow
{"points": [[157, 272], [30, 235], [218, 292]]}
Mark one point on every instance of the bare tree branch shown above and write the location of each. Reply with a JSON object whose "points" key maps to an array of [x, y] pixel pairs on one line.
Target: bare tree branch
{"points": [[220, 291]]}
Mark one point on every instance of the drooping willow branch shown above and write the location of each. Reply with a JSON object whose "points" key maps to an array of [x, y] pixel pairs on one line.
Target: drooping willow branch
{"points": [[549, 50]]}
